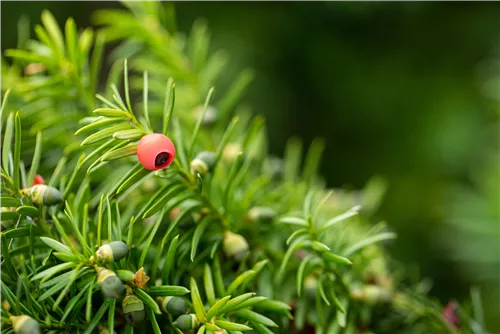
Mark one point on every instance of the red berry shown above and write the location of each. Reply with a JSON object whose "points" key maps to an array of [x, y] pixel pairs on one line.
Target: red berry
{"points": [[38, 180], [450, 314], [155, 151]]}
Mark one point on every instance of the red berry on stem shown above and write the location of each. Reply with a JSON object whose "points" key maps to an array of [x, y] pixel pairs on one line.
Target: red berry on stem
{"points": [[155, 151], [38, 180]]}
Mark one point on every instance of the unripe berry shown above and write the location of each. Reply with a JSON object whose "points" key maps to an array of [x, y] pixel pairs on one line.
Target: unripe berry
{"points": [[173, 305], [133, 309], [155, 151], [114, 251], [42, 194], [24, 324], [202, 163], [38, 180], [186, 322], [111, 285], [235, 245]]}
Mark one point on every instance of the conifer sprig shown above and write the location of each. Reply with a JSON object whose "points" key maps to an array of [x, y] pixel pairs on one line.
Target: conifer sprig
{"points": [[226, 239]]}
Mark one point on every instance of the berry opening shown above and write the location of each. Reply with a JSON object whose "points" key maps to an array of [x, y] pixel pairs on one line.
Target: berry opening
{"points": [[162, 159]]}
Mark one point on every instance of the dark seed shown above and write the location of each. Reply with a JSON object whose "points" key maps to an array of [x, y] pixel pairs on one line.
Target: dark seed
{"points": [[161, 158]]}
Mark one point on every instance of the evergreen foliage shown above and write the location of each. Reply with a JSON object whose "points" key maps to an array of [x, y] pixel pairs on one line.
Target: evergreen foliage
{"points": [[225, 240]]}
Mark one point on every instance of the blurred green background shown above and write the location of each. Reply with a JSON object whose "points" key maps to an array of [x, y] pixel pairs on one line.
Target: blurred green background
{"points": [[407, 91]]}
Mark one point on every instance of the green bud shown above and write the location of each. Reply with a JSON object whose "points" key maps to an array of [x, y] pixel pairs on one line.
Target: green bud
{"points": [[319, 246], [24, 324], [111, 285], [104, 329], [372, 294], [197, 216], [173, 305], [43, 195], [261, 214], [210, 115], [188, 220], [133, 309], [114, 251], [231, 151], [311, 285], [7, 223], [150, 185], [202, 163], [274, 167], [235, 245], [186, 322], [125, 275]]}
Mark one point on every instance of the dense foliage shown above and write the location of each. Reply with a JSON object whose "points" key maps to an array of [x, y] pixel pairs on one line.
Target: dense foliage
{"points": [[226, 239]]}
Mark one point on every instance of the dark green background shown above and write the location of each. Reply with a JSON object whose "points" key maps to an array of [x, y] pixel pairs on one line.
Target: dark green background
{"points": [[394, 88]]}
